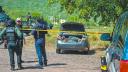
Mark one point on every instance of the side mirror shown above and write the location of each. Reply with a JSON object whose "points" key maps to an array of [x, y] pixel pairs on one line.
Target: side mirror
{"points": [[105, 37]]}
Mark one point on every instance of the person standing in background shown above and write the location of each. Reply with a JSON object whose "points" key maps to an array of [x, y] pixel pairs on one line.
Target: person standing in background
{"points": [[39, 37], [21, 40]]}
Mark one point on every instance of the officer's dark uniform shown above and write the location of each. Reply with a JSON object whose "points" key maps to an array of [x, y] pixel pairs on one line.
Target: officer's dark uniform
{"points": [[40, 42], [20, 41], [12, 33]]}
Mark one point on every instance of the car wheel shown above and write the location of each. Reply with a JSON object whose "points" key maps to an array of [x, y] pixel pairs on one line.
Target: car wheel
{"points": [[5, 46], [88, 48], [58, 51], [87, 51]]}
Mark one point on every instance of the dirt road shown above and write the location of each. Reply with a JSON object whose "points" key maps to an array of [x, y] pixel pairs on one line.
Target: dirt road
{"points": [[68, 62]]}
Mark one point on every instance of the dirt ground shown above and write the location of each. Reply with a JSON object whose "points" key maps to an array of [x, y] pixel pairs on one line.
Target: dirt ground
{"points": [[68, 62]]}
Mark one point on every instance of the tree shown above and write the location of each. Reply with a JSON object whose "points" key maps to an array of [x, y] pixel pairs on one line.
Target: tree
{"points": [[109, 10]]}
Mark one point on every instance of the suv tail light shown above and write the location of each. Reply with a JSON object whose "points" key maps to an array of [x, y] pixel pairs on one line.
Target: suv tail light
{"points": [[124, 66]]}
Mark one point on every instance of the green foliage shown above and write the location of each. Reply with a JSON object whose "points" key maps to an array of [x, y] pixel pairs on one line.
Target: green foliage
{"points": [[36, 14], [18, 8], [105, 11], [91, 12]]}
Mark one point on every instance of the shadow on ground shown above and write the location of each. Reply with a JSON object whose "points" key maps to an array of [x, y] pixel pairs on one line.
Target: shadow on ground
{"points": [[29, 61], [30, 67], [35, 67], [91, 52], [57, 64]]}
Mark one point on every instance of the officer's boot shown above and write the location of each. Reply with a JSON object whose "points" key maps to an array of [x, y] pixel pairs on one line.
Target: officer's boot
{"points": [[20, 67], [45, 63], [12, 67]]}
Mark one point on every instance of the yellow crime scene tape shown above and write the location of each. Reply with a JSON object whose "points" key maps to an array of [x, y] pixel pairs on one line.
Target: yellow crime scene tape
{"points": [[56, 31]]}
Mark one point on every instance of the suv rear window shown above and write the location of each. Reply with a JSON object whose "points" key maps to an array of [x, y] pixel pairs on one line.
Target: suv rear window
{"points": [[72, 27]]}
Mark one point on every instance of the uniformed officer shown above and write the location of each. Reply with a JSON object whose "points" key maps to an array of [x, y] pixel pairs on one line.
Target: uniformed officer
{"points": [[21, 40], [12, 33]]}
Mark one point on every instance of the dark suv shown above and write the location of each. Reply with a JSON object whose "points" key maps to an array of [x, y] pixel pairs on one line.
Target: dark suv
{"points": [[116, 56], [72, 36]]}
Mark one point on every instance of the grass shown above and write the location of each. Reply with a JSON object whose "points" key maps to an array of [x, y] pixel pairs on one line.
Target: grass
{"points": [[95, 38]]}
